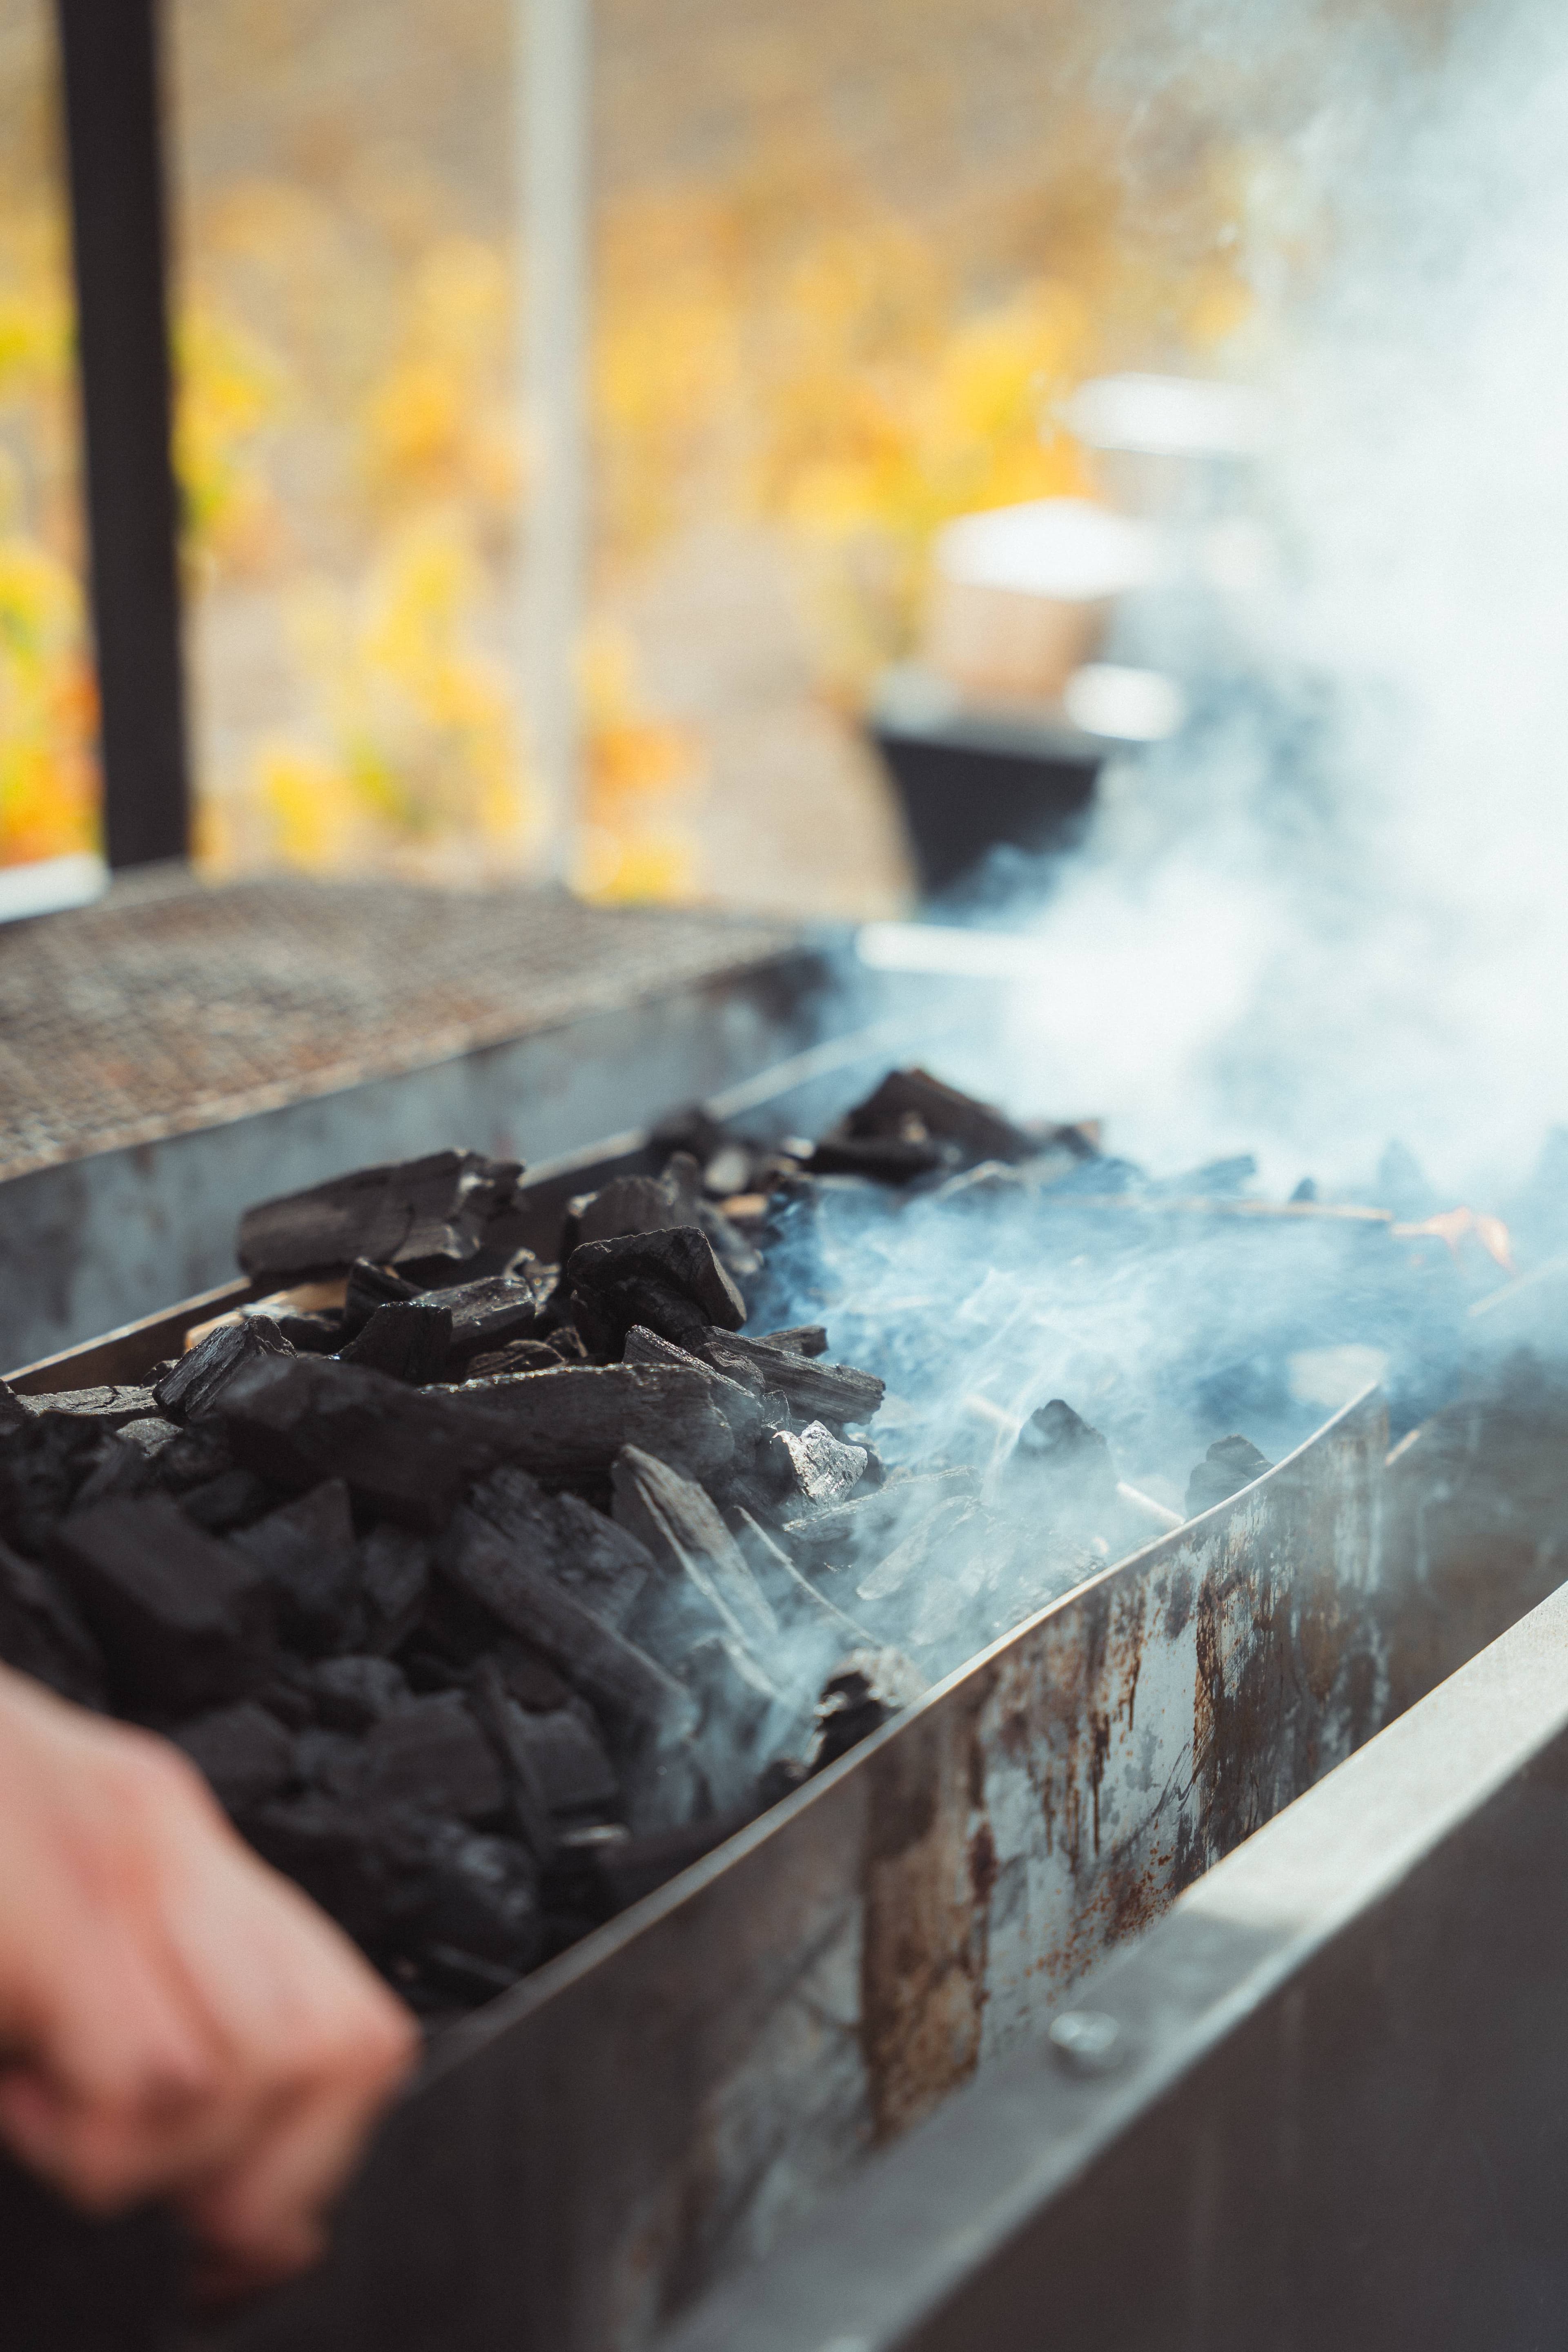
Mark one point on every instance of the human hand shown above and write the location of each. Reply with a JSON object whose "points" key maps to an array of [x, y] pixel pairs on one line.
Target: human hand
{"points": [[176, 2018]]}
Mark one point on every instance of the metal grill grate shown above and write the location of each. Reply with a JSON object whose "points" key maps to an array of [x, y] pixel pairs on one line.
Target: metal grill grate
{"points": [[172, 1006]]}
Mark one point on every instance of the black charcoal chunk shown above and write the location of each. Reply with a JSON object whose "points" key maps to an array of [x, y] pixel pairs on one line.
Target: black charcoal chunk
{"points": [[431, 1752], [834, 1393], [44, 1634], [245, 1752], [394, 1582], [230, 1500], [350, 1694], [630, 1694], [112, 1406], [782, 1777], [571, 1423], [1062, 1466], [418, 1216], [1230, 1464], [151, 1434], [527, 1674], [312, 1334], [12, 1411], [505, 1722], [800, 1339], [588, 1554], [623, 1870], [887, 1159], [369, 1287], [603, 1316], [119, 1471], [813, 1469], [571, 1761], [492, 1312], [479, 1895], [738, 1396], [359, 1868], [409, 1339], [185, 1622], [330, 1760], [407, 1453], [865, 1691], [703, 1577], [680, 1258], [42, 1465], [307, 1553], [193, 1388], [195, 1459], [626, 1204], [912, 1106]]}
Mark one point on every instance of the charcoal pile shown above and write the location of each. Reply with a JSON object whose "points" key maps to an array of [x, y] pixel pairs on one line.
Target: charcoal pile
{"points": [[489, 1588]]}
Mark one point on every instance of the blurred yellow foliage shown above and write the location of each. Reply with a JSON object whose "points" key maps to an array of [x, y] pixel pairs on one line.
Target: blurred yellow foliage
{"points": [[642, 773]]}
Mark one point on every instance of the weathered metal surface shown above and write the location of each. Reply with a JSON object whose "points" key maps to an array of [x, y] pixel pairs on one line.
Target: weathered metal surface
{"points": [[657, 2106], [1332, 2103]]}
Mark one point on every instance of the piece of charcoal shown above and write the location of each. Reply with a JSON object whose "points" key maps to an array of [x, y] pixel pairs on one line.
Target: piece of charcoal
{"points": [[369, 1287], [570, 1762], [431, 1752], [737, 1395], [623, 1870], [193, 1388], [245, 1752], [119, 1471], [694, 1550], [887, 1159], [865, 1691], [306, 1550], [800, 1339], [913, 1105], [571, 1423], [626, 1204], [361, 1869], [194, 1459], [812, 1468], [480, 1895], [394, 1583], [518, 1355], [781, 1779], [1230, 1464], [185, 1622], [113, 1406], [836, 1393], [350, 1694], [504, 1722], [44, 1634], [632, 1695], [528, 1674], [491, 1313], [407, 1453], [1061, 1464], [408, 1338], [680, 1258], [12, 1411], [151, 1434], [230, 1500], [588, 1554], [603, 1317], [455, 1632], [332, 1761], [418, 1216]]}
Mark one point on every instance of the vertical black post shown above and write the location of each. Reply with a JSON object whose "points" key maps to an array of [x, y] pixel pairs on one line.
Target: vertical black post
{"points": [[108, 54]]}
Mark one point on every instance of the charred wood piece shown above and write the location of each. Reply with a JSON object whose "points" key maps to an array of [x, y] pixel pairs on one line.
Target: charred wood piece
{"points": [[836, 1393], [369, 1287], [518, 1355], [571, 1423], [632, 1695], [115, 1407], [862, 1693], [489, 1314], [1063, 1465], [801, 1339], [739, 1398], [681, 1259], [432, 1753], [1230, 1464], [393, 1584], [813, 1470], [185, 1622], [353, 1693], [193, 1388], [912, 1105], [233, 1499], [245, 1753], [703, 1574], [409, 1339], [44, 1634], [588, 1554], [307, 1553], [407, 1453], [420, 1217]]}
